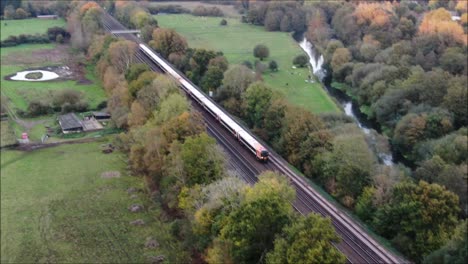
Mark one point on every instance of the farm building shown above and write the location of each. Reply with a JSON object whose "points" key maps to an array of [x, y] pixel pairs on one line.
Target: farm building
{"points": [[47, 16], [100, 116], [70, 123]]}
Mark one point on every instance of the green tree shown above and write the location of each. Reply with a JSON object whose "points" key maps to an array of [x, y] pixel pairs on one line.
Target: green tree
{"points": [[203, 162], [455, 251], [261, 51], [135, 70], [307, 240], [257, 99], [212, 79], [418, 218], [456, 100], [250, 229]]}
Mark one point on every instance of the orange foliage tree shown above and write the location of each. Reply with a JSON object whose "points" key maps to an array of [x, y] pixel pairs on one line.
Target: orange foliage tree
{"points": [[439, 22], [87, 6], [374, 14]]}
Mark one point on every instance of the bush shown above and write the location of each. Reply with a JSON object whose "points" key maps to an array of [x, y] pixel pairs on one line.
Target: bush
{"points": [[68, 101], [20, 14], [207, 11], [23, 39], [273, 65], [53, 32], [102, 105], [39, 107], [247, 64], [300, 60], [223, 22], [169, 9], [59, 38]]}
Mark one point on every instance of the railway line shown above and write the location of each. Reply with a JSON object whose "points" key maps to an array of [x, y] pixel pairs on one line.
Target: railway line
{"points": [[356, 244]]}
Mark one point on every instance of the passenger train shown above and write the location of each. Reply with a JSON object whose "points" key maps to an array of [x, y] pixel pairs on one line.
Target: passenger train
{"points": [[243, 136]]}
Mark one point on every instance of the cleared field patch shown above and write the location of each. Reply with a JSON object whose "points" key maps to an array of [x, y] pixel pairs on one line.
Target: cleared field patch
{"points": [[56, 207], [237, 40], [28, 26]]}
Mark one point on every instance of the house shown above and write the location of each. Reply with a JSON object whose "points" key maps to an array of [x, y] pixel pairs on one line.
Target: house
{"points": [[70, 123]]}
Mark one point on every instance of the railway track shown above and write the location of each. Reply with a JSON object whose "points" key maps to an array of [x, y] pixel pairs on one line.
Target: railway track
{"points": [[356, 244]]}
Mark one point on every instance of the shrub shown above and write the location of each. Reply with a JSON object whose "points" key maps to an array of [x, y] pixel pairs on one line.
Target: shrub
{"points": [[223, 22], [207, 11], [273, 65], [20, 14], [247, 64], [59, 38], [53, 32], [39, 107], [300, 60]]}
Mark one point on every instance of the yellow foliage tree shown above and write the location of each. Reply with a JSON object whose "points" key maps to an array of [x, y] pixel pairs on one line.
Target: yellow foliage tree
{"points": [[439, 22]]}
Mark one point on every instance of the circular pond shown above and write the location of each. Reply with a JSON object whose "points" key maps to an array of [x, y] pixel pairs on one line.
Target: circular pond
{"points": [[23, 76]]}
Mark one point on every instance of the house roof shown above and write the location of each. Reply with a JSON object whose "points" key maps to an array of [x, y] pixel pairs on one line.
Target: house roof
{"points": [[70, 121]]}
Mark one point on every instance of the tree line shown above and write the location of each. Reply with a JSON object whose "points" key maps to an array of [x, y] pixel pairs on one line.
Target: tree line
{"points": [[217, 216], [404, 63]]}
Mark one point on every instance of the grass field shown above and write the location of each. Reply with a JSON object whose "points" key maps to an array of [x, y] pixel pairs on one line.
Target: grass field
{"points": [[56, 207], [21, 92], [237, 41], [28, 26]]}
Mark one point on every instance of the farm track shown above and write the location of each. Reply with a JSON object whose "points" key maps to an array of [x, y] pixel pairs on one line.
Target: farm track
{"points": [[356, 244]]}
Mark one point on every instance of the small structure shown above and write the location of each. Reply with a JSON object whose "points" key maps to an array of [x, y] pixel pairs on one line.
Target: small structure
{"points": [[70, 123], [100, 116], [47, 16]]}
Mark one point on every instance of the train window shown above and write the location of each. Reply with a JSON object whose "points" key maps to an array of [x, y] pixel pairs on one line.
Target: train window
{"points": [[264, 153]]}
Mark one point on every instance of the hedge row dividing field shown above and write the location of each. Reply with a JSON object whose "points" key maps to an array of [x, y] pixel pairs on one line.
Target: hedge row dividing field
{"points": [[237, 40]]}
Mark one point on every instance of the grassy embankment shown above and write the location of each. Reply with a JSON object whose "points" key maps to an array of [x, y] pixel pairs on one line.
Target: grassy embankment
{"points": [[56, 207], [28, 26], [237, 40]]}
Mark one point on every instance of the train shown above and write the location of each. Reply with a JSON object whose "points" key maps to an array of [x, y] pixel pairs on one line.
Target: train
{"points": [[260, 152]]}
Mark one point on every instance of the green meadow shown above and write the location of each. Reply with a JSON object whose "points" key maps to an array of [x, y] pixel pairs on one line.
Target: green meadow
{"points": [[57, 207], [28, 26], [237, 40]]}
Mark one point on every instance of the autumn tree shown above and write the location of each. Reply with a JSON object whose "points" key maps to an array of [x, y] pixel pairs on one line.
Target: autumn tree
{"points": [[121, 54], [439, 23], [235, 82], [340, 57], [261, 51], [167, 41], [307, 240]]}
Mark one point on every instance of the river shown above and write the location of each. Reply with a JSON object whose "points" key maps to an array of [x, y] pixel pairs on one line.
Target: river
{"points": [[370, 130]]}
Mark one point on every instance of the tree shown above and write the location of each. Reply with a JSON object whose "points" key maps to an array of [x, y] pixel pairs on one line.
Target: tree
{"points": [[121, 54], [418, 218], [236, 80], [307, 240], [340, 57], [151, 95], [273, 20], [439, 23], [144, 79], [257, 99], [203, 161], [456, 100], [138, 115], [167, 41], [174, 105], [300, 60], [9, 12], [261, 51], [212, 79], [223, 22], [273, 65], [455, 250], [250, 229], [135, 70], [454, 61], [20, 13]]}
